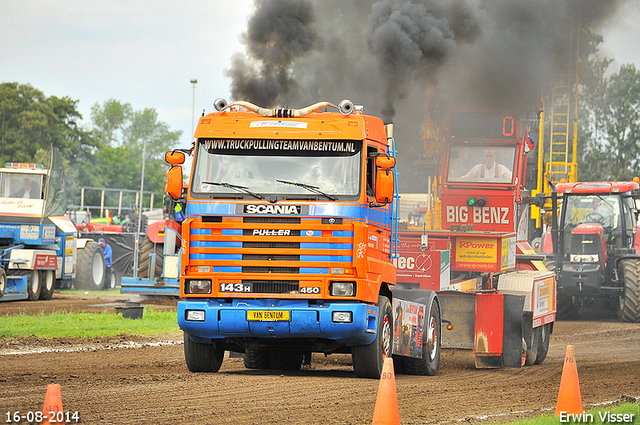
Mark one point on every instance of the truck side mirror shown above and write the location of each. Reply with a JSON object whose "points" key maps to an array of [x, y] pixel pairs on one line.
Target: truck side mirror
{"points": [[174, 182], [636, 203], [174, 157], [384, 186], [385, 162]]}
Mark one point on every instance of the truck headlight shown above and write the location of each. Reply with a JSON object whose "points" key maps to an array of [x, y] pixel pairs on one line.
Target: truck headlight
{"points": [[195, 315], [584, 258], [342, 317], [342, 289], [198, 286]]}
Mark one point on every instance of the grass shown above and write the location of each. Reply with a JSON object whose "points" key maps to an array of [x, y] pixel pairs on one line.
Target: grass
{"points": [[595, 418], [88, 325]]}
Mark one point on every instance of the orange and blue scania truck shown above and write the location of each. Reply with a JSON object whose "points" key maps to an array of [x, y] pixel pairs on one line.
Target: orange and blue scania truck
{"points": [[290, 246], [286, 244]]}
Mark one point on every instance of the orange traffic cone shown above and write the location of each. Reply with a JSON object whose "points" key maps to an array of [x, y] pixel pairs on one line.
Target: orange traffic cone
{"points": [[569, 398], [386, 411], [52, 405]]}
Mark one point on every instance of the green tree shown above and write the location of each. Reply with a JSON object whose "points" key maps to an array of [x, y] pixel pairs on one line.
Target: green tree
{"points": [[30, 123], [109, 119], [124, 134], [610, 111], [622, 122]]}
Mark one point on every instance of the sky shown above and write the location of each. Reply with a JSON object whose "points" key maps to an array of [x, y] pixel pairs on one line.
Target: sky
{"points": [[146, 53]]}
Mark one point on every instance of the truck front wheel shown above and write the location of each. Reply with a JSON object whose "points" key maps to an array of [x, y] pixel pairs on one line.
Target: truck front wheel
{"points": [[369, 359], [202, 357]]}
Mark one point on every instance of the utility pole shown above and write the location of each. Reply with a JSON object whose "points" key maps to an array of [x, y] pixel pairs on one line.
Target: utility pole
{"points": [[193, 106], [136, 248]]}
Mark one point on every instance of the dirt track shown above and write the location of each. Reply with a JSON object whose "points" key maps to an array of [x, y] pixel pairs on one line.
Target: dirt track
{"points": [[148, 382]]}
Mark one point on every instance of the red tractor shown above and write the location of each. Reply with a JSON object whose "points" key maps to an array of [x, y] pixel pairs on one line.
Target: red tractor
{"points": [[595, 256]]}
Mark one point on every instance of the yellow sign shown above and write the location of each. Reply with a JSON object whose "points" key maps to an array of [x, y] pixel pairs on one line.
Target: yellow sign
{"points": [[267, 315], [476, 250], [543, 296]]}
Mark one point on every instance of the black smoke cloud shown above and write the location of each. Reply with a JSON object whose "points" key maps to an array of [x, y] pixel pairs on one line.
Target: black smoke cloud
{"points": [[482, 53], [279, 32], [407, 38], [392, 55]]}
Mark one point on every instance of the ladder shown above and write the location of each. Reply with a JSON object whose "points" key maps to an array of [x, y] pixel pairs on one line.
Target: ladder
{"points": [[562, 154]]}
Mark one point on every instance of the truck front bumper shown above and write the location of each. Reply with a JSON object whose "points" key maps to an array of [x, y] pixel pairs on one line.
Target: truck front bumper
{"points": [[219, 319]]}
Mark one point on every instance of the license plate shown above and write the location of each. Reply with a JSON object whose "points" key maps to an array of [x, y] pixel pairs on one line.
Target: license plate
{"points": [[268, 316]]}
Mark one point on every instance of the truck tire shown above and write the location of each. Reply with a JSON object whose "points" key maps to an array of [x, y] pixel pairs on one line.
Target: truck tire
{"points": [[256, 359], [282, 359], [202, 357], [532, 350], [145, 261], [369, 359], [33, 282], [3, 282], [90, 267], [629, 303], [543, 347], [428, 364], [48, 279]]}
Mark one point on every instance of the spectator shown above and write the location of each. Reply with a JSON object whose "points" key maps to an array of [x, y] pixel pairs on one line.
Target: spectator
{"points": [[108, 259]]}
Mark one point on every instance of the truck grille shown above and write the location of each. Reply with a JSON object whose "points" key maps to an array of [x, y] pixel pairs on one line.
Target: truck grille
{"points": [[273, 286], [290, 270], [290, 220], [271, 245], [268, 249], [270, 257]]}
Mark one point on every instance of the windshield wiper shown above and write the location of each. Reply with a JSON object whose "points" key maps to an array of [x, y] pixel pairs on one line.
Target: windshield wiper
{"points": [[314, 189], [237, 187]]}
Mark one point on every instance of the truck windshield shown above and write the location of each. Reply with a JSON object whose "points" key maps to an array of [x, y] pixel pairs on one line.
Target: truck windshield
{"points": [[271, 167], [17, 185], [481, 164]]}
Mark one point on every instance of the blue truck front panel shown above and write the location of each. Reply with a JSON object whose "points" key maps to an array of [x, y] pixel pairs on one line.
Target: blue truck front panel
{"points": [[29, 234], [228, 320], [16, 289], [158, 287]]}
